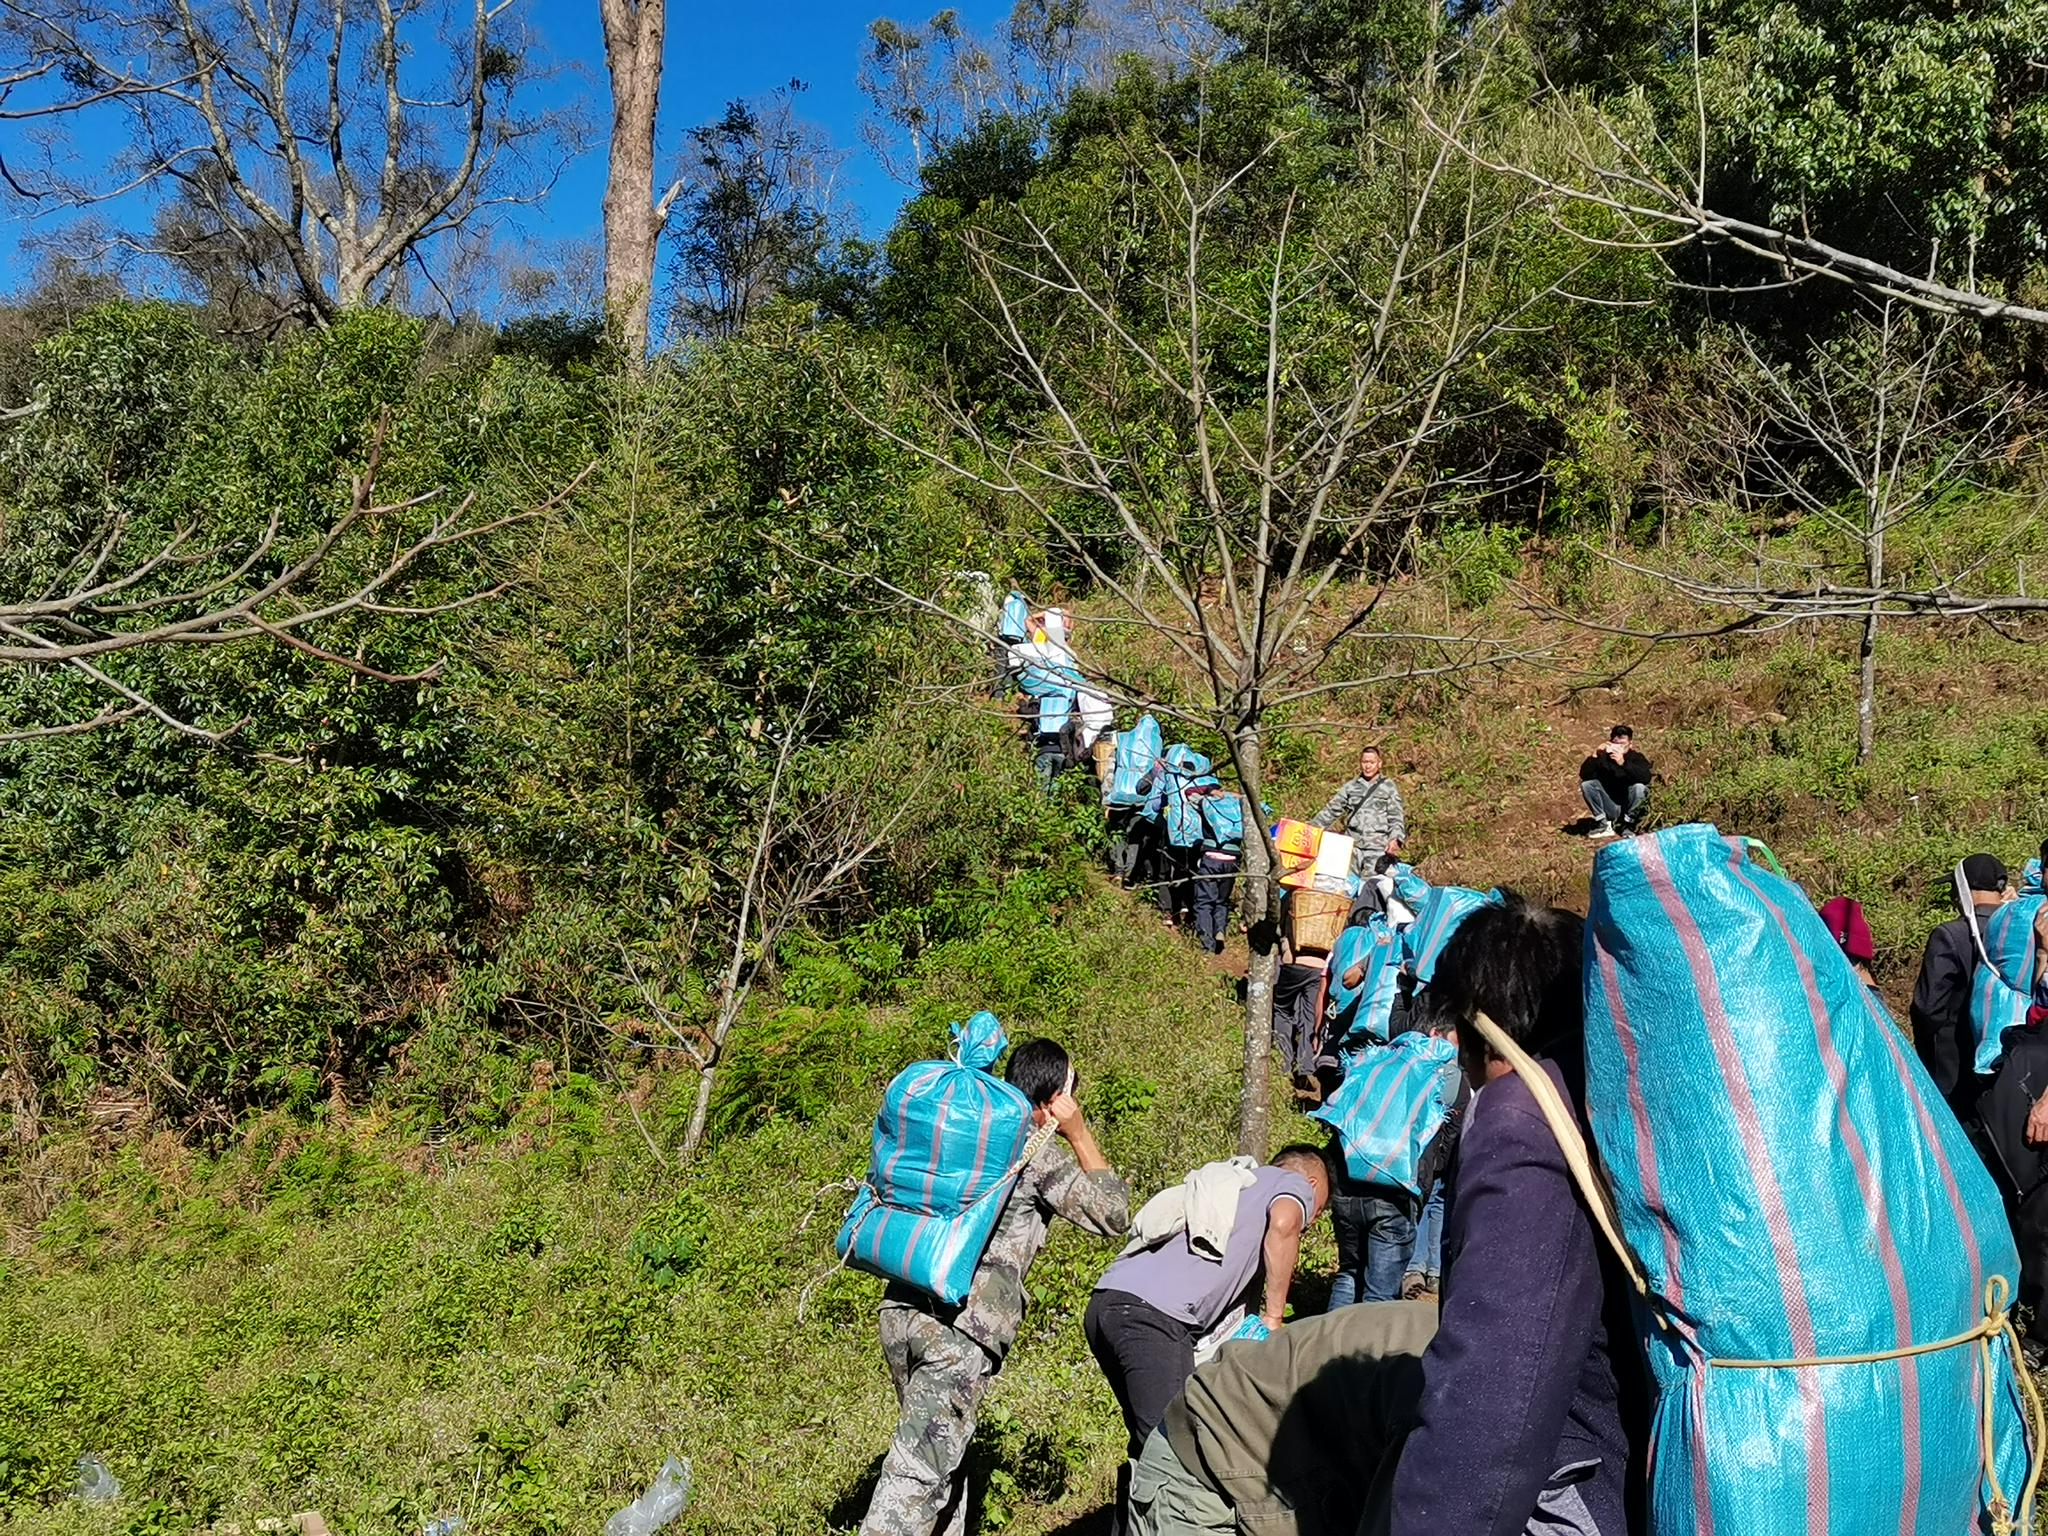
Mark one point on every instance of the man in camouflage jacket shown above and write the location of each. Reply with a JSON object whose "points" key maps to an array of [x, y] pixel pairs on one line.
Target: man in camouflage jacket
{"points": [[1367, 809], [943, 1358]]}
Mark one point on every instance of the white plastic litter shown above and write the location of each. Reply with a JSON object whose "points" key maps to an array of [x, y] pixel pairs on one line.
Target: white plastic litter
{"points": [[664, 1499], [93, 1482]]}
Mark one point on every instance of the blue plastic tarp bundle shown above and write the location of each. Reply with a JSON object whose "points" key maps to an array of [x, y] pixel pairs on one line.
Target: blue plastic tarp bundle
{"points": [[2001, 990], [1360, 1015], [1048, 672], [1795, 1189], [948, 1142], [1409, 886], [1136, 751], [1014, 625], [1390, 1106], [1183, 769], [1436, 919]]}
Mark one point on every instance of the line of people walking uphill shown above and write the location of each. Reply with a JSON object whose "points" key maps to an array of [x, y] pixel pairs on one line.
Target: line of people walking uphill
{"points": [[1682, 1171]]}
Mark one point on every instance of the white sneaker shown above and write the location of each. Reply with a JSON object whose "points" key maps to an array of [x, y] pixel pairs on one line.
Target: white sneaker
{"points": [[1601, 829]]}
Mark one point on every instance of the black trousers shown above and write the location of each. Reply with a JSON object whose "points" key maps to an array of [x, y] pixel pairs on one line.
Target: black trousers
{"points": [[1148, 1357], [2021, 1170], [1174, 874]]}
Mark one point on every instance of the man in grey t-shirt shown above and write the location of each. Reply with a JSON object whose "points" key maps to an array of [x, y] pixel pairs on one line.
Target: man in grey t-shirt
{"points": [[1150, 1308]]}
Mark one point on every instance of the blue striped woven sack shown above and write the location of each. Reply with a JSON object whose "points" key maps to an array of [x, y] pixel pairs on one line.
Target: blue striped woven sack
{"points": [[1390, 1106], [2030, 879], [1794, 1189], [1359, 1016], [1436, 919], [948, 1144], [1015, 623], [1136, 751], [1409, 886], [1183, 769], [2001, 990]]}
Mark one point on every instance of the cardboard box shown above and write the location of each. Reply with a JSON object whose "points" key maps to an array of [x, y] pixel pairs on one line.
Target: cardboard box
{"points": [[1312, 859]]}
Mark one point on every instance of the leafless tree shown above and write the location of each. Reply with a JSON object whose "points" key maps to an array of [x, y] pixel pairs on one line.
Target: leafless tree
{"points": [[1846, 447], [807, 845], [1226, 459], [179, 590], [1650, 193], [928, 84], [634, 34], [324, 147]]}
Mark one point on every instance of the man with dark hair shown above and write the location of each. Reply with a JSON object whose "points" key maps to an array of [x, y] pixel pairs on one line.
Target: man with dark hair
{"points": [[943, 1358], [1524, 1415], [1522, 1420], [1154, 1307], [1940, 1010], [1615, 781], [1368, 810]]}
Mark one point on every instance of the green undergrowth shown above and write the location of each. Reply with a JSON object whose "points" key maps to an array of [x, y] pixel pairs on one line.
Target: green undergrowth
{"points": [[348, 1317]]}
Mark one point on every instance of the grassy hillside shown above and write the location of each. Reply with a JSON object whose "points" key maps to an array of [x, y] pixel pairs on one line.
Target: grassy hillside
{"points": [[389, 1321], [354, 1318]]}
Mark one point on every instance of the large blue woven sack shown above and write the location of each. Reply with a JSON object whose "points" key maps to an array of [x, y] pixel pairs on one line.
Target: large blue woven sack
{"points": [[1136, 751], [1015, 623], [1359, 1016], [1182, 768], [1436, 919], [1390, 1106], [2001, 990], [948, 1144], [1795, 1189]]}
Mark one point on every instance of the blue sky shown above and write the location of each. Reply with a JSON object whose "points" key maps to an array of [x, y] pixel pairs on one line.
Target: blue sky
{"points": [[718, 50]]}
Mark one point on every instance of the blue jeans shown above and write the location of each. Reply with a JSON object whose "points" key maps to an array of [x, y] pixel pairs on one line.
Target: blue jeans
{"points": [[1375, 1230], [1429, 1237], [1606, 808]]}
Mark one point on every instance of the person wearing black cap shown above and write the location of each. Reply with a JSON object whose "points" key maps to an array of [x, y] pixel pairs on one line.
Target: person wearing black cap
{"points": [[1940, 1011]]}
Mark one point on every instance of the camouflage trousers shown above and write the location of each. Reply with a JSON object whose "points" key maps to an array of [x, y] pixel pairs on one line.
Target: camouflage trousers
{"points": [[940, 1376]]}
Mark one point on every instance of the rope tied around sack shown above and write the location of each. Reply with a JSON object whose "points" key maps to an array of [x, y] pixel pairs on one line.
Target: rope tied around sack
{"points": [[1995, 1324]]}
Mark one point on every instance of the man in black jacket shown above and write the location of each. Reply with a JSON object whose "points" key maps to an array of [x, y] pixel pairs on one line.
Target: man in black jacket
{"points": [[1615, 781], [1940, 1012]]}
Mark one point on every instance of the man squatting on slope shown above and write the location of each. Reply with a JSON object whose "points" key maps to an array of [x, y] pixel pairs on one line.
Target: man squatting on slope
{"points": [[1515, 1411], [1615, 783], [941, 1358]]}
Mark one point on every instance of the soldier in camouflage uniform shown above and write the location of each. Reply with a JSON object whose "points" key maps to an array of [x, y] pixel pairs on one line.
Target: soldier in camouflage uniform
{"points": [[1367, 809], [943, 1358]]}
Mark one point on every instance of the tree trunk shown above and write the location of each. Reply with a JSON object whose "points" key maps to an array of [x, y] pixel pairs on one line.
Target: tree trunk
{"points": [[1262, 935], [700, 1112], [1866, 654], [633, 35]]}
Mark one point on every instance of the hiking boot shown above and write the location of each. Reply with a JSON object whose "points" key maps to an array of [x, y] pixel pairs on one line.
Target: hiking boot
{"points": [[1600, 830]]}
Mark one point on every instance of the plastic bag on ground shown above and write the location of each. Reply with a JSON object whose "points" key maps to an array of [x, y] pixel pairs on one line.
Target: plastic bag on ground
{"points": [[665, 1498], [93, 1482]]}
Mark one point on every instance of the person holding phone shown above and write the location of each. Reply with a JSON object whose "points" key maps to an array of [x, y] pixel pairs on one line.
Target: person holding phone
{"points": [[1615, 781]]}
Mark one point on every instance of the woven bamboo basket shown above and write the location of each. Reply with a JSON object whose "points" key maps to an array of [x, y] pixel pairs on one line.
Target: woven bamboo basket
{"points": [[1105, 756], [1318, 918]]}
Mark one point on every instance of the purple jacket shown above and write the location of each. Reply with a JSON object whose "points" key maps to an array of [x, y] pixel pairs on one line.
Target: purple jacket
{"points": [[1521, 1409]]}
